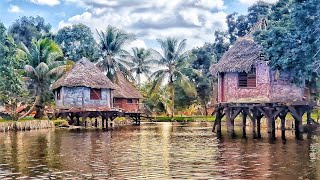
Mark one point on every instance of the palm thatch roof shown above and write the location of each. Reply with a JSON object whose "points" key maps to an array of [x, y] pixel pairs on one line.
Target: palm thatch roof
{"points": [[240, 57], [125, 88], [84, 73]]}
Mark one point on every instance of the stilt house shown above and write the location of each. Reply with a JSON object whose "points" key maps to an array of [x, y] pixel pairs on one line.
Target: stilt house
{"points": [[126, 97], [84, 86], [244, 76]]}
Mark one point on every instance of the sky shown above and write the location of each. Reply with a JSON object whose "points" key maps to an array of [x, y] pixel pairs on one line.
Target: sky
{"points": [[194, 20]]}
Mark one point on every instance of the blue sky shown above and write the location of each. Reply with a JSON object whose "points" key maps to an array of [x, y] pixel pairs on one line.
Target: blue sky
{"points": [[194, 20]]}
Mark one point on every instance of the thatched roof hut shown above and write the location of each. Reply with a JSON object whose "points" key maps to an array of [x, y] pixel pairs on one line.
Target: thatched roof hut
{"points": [[240, 57], [84, 74], [126, 89]]}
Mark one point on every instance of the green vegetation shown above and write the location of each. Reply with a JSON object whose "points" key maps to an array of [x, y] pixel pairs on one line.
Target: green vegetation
{"points": [[179, 81]]}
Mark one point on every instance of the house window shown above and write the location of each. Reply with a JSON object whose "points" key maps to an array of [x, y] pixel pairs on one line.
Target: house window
{"points": [[95, 94], [247, 79], [59, 93], [129, 101]]}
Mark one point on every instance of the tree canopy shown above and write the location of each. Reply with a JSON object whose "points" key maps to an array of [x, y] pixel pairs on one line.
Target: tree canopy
{"points": [[291, 40], [27, 28], [77, 41]]}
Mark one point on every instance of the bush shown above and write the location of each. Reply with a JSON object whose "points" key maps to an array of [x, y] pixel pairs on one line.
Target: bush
{"points": [[61, 123]]}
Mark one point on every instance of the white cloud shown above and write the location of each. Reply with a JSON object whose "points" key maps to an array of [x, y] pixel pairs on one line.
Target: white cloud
{"points": [[251, 2], [194, 20], [14, 9], [46, 2]]}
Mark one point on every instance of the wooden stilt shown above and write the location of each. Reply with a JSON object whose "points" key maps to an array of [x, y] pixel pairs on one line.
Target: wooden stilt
{"points": [[218, 123], [230, 122], [103, 119], [254, 126], [259, 116], [273, 128], [96, 123], [309, 117], [282, 117], [244, 124]]}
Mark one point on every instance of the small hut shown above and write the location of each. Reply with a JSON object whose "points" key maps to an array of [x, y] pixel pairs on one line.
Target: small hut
{"points": [[84, 86], [126, 97], [244, 76]]}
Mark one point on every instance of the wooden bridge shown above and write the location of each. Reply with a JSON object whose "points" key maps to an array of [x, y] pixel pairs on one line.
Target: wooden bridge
{"points": [[256, 111]]}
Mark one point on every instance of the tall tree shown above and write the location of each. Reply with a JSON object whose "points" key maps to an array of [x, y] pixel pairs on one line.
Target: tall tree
{"points": [[291, 40], [44, 64], [27, 28], [238, 26], [112, 42], [174, 61], [220, 45], [202, 78], [141, 62], [77, 41], [12, 88]]}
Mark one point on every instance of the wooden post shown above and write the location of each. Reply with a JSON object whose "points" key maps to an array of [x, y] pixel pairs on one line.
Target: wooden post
{"points": [[230, 122], [102, 117], [309, 117], [273, 128], [259, 126], [219, 134], [244, 124], [297, 113], [283, 126], [96, 122], [254, 125], [78, 120]]}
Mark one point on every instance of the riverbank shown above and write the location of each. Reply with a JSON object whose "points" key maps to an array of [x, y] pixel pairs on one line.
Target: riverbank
{"points": [[25, 125]]}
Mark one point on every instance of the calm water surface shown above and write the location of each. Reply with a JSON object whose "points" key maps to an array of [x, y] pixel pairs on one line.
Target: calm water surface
{"points": [[154, 151]]}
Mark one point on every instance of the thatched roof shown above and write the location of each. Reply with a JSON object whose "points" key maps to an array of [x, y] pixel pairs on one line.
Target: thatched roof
{"points": [[240, 57], [84, 73], [126, 89]]}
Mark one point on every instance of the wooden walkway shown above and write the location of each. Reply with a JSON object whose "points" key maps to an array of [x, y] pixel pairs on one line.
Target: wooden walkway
{"points": [[255, 111]]}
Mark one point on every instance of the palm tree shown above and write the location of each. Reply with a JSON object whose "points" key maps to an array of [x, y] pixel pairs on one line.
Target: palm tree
{"points": [[44, 63], [141, 62], [174, 60], [112, 41]]}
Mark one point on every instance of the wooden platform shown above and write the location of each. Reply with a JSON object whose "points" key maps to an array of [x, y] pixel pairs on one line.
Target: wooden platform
{"points": [[106, 114], [255, 111]]}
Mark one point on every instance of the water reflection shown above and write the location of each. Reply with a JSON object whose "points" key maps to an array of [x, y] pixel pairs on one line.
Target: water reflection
{"points": [[154, 150]]}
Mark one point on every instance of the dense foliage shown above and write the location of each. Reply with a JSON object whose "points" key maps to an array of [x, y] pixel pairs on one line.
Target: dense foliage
{"points": [[77, 41], [291, 40], [173, 80]]}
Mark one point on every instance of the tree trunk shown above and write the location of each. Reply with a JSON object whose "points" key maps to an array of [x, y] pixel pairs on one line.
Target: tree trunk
{"points": [[38, 98], [172, 99]]}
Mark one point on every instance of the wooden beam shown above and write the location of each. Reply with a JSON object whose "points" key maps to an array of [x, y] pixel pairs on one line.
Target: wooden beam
{"points": [[236, 113], [294, 112], [263, 112], [277, 113]]}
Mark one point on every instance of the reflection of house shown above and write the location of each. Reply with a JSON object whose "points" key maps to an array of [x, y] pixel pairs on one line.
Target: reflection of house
{"points": [[126, 97], [245, 76], [84, 86]]}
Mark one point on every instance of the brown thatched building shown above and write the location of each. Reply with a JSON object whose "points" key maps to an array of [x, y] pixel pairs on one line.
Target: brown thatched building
{"points": [[84, 86], [126, 97], [245, 76]]}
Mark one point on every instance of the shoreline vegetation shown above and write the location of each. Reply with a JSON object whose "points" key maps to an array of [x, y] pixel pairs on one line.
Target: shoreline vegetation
{"points": [[29, 123]]}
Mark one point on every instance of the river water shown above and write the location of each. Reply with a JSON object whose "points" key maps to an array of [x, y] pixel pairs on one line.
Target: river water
{"points": [[155, 151]]}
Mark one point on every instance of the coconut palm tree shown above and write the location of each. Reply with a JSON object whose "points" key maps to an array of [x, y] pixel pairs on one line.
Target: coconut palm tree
{"points": [[141, 62], [44, 63], [112, 42], [174, 60]]}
